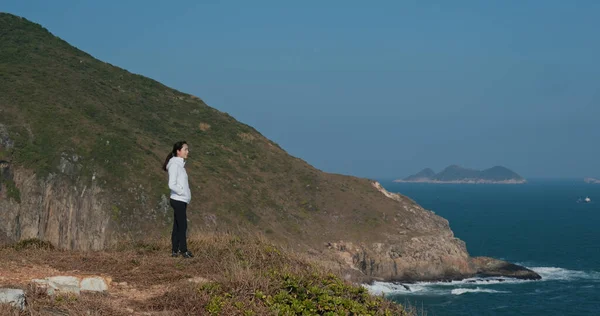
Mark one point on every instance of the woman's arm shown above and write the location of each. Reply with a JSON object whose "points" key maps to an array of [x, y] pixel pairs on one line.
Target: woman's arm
{"points": [[173, 185]]}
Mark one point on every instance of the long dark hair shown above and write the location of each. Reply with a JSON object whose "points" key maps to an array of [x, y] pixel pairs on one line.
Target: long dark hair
{"points": [[177, 146]]}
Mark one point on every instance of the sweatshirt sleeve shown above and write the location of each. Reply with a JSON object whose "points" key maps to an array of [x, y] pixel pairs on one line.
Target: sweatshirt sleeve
{"points": [[173, 185]]}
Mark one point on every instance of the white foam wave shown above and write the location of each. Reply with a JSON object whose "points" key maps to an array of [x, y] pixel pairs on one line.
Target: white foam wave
{"points": [[432, 288], [461, 287], [461, 291], [378, 288], [554, 273], [477, 281]]}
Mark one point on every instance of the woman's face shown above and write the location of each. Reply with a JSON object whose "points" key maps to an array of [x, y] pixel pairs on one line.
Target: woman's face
{"points": [[183, 152]]}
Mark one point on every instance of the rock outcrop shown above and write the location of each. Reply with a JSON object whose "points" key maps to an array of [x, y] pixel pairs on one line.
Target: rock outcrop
{"points": [[72, 284], [427, 258], [15, 297], [57, 210], [424, 248], [490, 267]]}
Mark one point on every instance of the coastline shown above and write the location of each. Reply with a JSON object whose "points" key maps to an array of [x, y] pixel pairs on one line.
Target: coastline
{"points": [[464, 181]]}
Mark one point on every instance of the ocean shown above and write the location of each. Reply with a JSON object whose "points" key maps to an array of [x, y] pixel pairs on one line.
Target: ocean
{"points": [[542, 225]]}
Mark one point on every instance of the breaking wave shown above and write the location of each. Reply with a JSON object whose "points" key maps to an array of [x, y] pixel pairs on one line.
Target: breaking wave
{"points": [[462, 286]]}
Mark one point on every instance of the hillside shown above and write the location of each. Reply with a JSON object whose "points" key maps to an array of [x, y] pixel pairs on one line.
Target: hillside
{"points": [[457, 174], [424, 174], [82, 146]]}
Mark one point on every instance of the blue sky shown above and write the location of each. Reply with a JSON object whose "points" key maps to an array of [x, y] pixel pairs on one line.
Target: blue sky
{"points": [[373, 89]]}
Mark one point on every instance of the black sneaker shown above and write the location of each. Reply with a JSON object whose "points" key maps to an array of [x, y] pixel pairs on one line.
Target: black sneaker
{"points": [[174, 254], [187, 254]]}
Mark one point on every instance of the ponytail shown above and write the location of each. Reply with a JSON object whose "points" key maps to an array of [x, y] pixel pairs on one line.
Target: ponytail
{"points": [[176, 147], [169, 156]]}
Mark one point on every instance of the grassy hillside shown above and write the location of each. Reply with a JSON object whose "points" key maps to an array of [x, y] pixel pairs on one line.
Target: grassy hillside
{"points": [[58, 101], [73, 117]]}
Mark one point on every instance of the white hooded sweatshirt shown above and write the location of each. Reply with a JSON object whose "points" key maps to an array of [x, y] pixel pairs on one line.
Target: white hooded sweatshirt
{"points": [[178, 180]]}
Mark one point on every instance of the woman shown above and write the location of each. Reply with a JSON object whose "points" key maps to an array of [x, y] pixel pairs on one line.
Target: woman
{"points": [[180, 197]]}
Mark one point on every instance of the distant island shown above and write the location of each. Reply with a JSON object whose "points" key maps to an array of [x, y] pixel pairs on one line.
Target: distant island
{"points": [[592, 180], [457, 174]]}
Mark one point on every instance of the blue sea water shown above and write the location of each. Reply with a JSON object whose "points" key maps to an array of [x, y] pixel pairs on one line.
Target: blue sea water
{"points": [[539, 225]]}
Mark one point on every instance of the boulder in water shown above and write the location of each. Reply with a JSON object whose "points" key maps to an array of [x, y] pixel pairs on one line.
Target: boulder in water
{"points": [[490, 267]]}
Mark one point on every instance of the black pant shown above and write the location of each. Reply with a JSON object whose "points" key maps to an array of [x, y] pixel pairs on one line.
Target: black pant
{"points": [[178, 238]]}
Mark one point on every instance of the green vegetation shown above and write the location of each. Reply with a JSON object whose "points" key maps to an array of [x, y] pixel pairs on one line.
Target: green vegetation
{"points": [[297, 294], [12, 192], [322, 295]]}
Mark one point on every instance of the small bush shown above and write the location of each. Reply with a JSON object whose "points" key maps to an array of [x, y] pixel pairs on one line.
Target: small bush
{"points": [[33, 243], [143, 247], [324, 295]]}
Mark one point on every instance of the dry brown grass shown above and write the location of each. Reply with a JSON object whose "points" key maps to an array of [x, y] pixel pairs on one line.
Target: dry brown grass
{"points": [[247, 137], [229, 272], [204, 127]]}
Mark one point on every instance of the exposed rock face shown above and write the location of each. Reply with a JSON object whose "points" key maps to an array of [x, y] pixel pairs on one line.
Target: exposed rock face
{"points": [[62, 208], [427, 258], [15, 297], [5, 140], [94, 284], [424, 260], [72, 284], [490, 267], [423, 249], [55, 210]]}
